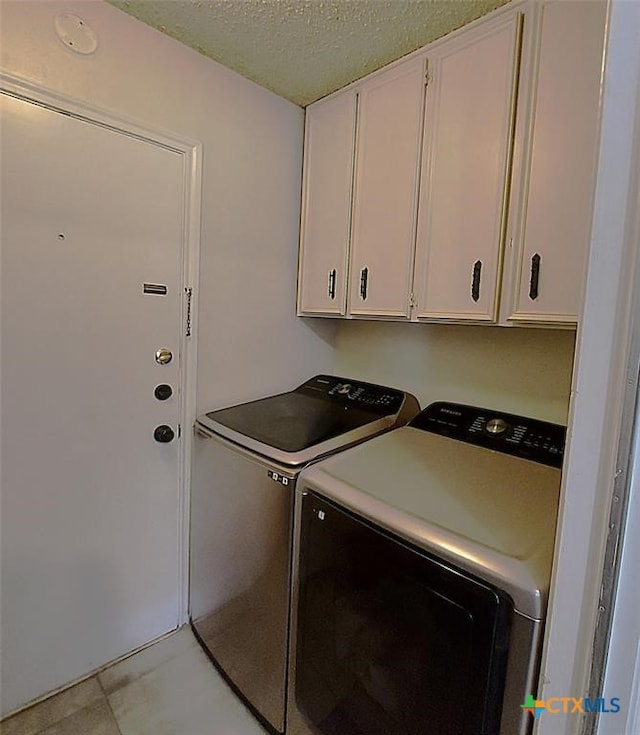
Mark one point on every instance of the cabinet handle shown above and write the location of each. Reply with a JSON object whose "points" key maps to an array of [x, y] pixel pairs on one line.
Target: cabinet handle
{"points": [[364, 283], [535, 277], [332, 284], [475, 281]]}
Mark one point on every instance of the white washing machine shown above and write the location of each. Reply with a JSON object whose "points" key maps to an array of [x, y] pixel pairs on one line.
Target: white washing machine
{"points": [[245, 465], [422, 566]]}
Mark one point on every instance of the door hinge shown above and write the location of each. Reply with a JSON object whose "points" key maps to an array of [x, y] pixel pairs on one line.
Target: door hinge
{"points": [[179, 430], [187, 330], [412, 300], [427, 78]]}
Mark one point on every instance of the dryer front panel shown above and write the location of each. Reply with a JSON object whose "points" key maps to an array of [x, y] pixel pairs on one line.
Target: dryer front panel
{"points": [[392, 641]]}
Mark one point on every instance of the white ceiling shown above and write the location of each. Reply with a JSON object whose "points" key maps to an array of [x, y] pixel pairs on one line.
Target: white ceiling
{"points": [[305, 49]]}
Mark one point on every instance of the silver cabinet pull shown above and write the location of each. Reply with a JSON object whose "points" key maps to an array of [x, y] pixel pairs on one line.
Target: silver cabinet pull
{"points": [[475, 280], [332, 284], [535, 277], [364, 283]]}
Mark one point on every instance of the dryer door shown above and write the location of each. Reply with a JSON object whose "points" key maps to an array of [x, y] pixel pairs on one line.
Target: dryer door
{"points": [[389, 640]]}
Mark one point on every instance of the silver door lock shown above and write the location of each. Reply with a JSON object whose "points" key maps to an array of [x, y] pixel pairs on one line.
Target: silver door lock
{"points": [[163, 356]]}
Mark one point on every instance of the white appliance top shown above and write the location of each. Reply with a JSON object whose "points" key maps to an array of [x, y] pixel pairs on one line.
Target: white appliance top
{"points": [[483, 510]]}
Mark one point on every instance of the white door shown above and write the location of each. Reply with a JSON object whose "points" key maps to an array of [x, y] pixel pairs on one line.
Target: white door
{"points": [[90, 499]]}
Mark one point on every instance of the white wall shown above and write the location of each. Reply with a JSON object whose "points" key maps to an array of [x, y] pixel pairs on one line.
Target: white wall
{"points": [[522, 371], [250, 342]]}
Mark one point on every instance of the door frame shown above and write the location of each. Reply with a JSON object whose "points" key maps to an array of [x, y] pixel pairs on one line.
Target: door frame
{"points": [[603, 357], [191, 152]]}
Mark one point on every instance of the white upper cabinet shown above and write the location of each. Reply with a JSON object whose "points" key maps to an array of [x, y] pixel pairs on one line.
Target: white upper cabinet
{"points": [[475, 204], [385, 191], [557, 141], [467, 155], [326, 205]]}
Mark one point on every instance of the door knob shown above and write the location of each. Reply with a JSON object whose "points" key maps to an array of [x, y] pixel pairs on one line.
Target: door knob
{"points": [[163, 434], [163, 356], [163, 391]]}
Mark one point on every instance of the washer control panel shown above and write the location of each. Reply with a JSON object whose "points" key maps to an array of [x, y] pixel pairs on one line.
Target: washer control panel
{"points": [[368, 396], [528, 438]]}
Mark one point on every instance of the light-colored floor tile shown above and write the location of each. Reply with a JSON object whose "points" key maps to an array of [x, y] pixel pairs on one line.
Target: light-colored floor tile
{"points": [[183, 696], [170, 688], [97, 719], [54, 709], [132, 668]]}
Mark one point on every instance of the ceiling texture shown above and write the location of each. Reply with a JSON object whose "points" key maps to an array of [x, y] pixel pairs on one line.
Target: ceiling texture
{"points": [[305, 49]]}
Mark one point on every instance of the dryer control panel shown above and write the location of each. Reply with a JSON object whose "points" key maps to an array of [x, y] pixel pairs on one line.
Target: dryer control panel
{"points": [[520, 436]]}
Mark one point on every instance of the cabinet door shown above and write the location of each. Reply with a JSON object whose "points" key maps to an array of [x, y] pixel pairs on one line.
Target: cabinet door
{"points": [[468, 135], [385, 197], [556, 190], [326, 205]]}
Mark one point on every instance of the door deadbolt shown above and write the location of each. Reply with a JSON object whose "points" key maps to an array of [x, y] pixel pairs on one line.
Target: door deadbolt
{"points": [[163, 356], [163, 391], [163, 434]]}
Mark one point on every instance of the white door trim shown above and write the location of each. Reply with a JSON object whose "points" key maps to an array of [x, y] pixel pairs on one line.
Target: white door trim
{"points": [[191, 152], [615, 665], [597, 400], [621, 675]]}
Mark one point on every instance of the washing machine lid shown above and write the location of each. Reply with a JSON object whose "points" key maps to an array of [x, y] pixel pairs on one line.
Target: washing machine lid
{"points": [[485, 511], [322, 415]]}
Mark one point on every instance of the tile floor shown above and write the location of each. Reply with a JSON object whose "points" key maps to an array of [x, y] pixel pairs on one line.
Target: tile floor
{"points": [[170, 688]]}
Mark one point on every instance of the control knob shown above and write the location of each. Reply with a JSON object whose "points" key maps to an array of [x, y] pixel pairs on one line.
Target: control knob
{"points": [[496, 426]]}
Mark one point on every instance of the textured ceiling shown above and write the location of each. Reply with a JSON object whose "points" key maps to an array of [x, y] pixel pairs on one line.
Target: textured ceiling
{"points": [[305, 49]]}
